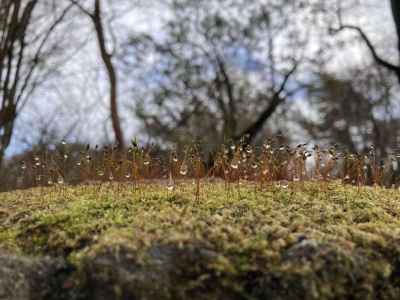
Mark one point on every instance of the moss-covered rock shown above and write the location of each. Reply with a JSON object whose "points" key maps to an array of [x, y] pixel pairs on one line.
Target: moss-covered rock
{"points": [[308, 241], [26, 278]]}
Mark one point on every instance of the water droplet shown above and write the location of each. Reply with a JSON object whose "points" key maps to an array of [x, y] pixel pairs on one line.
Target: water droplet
{"points": [[234, 166], [170, 185], [184, 169], [60, 180], [283, 184]]}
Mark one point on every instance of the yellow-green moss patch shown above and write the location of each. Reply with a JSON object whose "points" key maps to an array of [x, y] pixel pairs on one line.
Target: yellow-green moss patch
{"points": [[308, 241]]}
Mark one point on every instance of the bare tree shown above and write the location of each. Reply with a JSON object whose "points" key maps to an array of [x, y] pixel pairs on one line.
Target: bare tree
{"points": [[394, 68], [354, 109], [96, 18], [23, 39], [220, 70]]}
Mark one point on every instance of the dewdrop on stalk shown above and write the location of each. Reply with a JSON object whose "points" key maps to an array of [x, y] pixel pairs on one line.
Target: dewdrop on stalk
{"points": [[184, 169], [234, 165], [147, 159], [170, 185], [60, 180], [283, 184]]}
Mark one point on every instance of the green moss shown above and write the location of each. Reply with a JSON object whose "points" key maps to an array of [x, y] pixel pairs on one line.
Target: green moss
{"points": [[310, 241]]}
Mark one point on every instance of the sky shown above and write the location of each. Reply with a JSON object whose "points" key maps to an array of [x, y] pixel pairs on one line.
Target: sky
{"points": [[78, 92]]}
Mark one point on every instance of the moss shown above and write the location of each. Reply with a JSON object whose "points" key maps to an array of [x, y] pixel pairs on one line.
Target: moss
{"points": [[308, 241]]}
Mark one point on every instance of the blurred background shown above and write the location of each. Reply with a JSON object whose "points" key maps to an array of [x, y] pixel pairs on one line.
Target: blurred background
{"points": [[172, 71]]}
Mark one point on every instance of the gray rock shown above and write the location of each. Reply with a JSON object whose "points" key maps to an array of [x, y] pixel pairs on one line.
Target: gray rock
{"points": [[25, 278]]}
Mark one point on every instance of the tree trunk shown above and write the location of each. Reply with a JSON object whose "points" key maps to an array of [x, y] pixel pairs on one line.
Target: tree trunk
{"points": [[112, 75], [396, 17], [12, 52], [251, 132]]}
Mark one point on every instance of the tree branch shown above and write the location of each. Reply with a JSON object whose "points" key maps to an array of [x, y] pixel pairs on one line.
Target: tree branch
{"points": [[276, 100], [394, 68]]}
